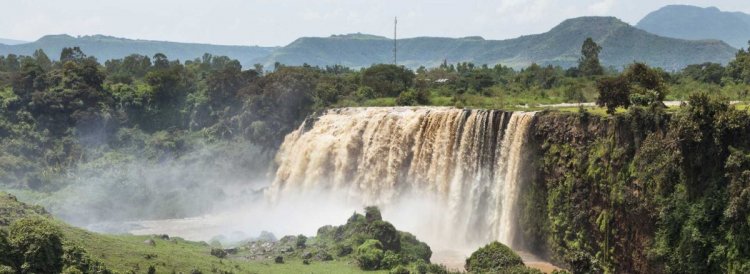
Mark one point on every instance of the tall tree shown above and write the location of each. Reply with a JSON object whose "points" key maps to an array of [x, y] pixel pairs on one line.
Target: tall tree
{"points": [[42, 59], [71, 54], [589, 64]]}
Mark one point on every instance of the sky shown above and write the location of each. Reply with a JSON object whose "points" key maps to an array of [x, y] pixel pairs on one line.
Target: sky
{"points": [[279, 22]]}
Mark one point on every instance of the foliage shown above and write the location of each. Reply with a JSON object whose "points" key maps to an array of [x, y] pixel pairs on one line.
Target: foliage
{"points": [[614, 92], [589, 65], [37, 245], [369, 254], [387, 80], [494, 257]]}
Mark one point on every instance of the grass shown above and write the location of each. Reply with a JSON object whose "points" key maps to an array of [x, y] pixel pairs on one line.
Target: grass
{"points": [[123, 253]]}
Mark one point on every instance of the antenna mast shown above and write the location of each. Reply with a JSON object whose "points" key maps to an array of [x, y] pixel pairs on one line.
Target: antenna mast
{"points": [[395, 23]]}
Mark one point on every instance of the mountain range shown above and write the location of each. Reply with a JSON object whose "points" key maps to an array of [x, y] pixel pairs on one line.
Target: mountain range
{"points": [[107, 47], [11, 41], [622, 44], [656, 41], [694, 23]]}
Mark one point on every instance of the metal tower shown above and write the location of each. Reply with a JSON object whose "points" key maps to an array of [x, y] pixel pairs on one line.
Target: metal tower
{"points": [[395, 23]]}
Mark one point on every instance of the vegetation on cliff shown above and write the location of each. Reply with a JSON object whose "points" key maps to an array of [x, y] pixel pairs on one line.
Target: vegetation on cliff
{"points": [[643, 191]]}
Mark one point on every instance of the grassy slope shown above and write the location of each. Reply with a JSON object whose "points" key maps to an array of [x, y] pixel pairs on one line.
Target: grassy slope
{"points": [[123, 253]]}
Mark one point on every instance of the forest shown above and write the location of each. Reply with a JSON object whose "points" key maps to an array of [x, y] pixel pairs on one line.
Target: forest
{"points": [[629, 185], [55, 115]]}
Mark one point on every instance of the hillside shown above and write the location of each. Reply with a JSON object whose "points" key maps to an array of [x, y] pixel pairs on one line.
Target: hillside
{"points": [[622, 45], [125, 253], [695, 23], [108, 47]]}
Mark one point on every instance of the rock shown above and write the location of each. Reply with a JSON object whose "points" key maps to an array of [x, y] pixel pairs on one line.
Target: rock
{"points": [[150, 242], [218, 253], [307, 255], [232, 250], [324, 256]]}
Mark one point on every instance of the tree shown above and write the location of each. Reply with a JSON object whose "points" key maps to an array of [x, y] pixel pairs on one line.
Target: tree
{"points": [[161, 61], [387, 80], [614, 92], [589, 65], [706, 72], [37, 245], [71, 54], [42, 59], [739, 68], [647, 87]]}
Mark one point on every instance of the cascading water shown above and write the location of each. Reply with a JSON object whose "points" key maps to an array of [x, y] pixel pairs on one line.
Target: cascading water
{"points": [[467, 161]]}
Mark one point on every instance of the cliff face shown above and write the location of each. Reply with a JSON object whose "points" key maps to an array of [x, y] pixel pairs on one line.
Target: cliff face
{"points": [[641, 192]]}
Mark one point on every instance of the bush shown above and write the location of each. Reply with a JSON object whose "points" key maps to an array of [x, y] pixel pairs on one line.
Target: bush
{"points": [[4, 269], [37, 245], [492, 258], [75, 258], [390, 260], [412, 249], [343, 250], [399, 270], [279, 260], [301, 240], [413, 97], [372, 214], [369, 255], [387, 234], [5, 250]]}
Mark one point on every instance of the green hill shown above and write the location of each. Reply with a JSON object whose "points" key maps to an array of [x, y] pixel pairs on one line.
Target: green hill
{"points": [[108, 47], [622, 45], [335, 249], [695, 23]]}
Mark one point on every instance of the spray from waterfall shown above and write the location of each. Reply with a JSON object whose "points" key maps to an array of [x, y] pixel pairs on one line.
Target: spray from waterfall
{"points": [[464, 164]]}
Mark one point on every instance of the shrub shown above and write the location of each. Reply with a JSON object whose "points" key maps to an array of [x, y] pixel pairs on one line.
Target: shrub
{"points": [[372, 214], [343, 250], [76, 257], [399, 270], [72, 270], [492, 258], [301, 240], [37, 244], [386, 234], [279, 260], [413, 97], [5, 250], [369, 255], [412, 249], [390, 260]]}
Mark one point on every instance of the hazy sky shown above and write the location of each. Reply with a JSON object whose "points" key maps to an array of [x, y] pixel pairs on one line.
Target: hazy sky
{"points": [[278, 22]]}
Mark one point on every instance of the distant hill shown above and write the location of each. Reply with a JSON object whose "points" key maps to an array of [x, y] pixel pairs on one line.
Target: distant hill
{"points": [[622, 45], [694, 23], [108, 47], [11, 41]]}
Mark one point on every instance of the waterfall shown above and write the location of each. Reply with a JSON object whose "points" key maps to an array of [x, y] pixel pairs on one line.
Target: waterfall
{"points": [[469, 161]]}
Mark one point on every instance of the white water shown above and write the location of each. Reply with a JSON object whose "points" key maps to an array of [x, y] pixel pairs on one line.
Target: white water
{"points": [[450, 176]]}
